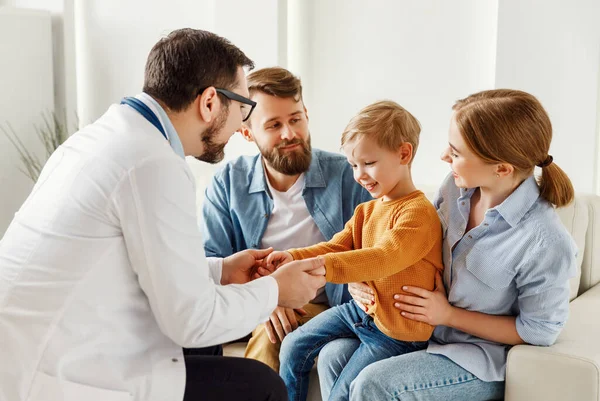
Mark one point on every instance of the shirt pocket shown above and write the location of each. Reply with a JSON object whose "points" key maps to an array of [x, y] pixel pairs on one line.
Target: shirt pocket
{"points": [[486, 266]]}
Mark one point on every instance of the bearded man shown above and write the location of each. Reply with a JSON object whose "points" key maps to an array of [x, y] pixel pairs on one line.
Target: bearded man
{"points": [[289, 195]]}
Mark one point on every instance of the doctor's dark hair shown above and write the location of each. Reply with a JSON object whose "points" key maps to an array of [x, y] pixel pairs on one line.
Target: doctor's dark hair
{"points": [[188, 61]]}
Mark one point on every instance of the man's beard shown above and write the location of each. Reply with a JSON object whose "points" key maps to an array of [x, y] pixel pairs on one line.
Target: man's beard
{"points": [[292, 162], [214, 152]]}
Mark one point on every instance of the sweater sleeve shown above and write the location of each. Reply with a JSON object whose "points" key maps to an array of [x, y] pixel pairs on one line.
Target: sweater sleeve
{"points": [[411, 238], [341, 242]]}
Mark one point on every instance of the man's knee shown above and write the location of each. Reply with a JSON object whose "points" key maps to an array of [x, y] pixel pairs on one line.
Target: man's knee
{"points": [[262, 349]]}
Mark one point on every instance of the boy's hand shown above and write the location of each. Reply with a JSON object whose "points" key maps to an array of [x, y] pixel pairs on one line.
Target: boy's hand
{"points": [[277, 259], [241, 267]]}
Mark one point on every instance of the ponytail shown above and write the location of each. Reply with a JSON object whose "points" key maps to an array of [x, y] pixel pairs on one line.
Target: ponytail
{"points": [[555, 186]]}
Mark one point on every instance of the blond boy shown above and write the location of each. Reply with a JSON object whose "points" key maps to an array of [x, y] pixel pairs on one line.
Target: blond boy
{"points": [[392, 241]]}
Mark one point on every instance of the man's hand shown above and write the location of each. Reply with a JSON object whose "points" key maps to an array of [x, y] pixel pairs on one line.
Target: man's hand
{"points": [[299, 281], [242, 267], [281, 323], [277, 259]]}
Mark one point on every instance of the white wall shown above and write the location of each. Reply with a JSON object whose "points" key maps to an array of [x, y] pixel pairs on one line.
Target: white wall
{"points": [[552, 50], [26, 93], [422, 54], [112, 48], [63, 54]]}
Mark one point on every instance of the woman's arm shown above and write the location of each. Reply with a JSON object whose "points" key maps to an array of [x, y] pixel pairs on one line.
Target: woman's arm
{"points": [[432, 307]]}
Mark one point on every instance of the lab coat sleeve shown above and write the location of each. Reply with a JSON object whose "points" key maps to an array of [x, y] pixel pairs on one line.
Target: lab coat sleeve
{"points": [[156, 206], [215, 268]]}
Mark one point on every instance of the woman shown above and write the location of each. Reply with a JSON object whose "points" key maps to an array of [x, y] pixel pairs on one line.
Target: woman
{"points": [[507, 258]]}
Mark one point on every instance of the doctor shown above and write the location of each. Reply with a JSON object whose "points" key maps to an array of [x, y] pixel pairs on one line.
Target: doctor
{"points": [[103, 277]]}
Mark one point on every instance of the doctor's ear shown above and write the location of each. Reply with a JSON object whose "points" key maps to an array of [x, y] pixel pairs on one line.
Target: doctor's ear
{"points": [[246, 133], [208, 104]]}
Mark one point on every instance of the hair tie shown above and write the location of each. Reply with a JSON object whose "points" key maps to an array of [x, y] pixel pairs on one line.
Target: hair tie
{"points": [[546, 162]]}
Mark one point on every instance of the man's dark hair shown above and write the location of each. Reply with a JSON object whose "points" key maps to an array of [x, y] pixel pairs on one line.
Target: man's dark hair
{"points": [[187, 61]]}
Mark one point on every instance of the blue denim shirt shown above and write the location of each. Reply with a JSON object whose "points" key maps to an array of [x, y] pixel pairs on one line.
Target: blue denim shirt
{"points": [[517, 262], [238, 204]]}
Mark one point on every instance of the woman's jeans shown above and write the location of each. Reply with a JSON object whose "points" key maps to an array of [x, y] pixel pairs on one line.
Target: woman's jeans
{"points": [[301, 347], [416, 376]]}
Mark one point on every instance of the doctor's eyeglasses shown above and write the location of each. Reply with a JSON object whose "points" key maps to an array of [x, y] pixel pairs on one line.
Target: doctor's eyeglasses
{"points": [[247, 104]]}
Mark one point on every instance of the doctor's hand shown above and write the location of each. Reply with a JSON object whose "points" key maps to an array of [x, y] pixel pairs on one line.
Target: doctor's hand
{"points": [[242, 267], [299, 281]]}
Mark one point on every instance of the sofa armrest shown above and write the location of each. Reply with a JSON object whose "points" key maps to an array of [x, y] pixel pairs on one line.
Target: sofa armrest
{"points": [[567, 370]]}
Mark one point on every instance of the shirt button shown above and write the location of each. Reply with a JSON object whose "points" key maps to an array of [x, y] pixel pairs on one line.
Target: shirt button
{"points": [[486, 224], [174, 360], [266, 215], [462, 203], [470, 236]]}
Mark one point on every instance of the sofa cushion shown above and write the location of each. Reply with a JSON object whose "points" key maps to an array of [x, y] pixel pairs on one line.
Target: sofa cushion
{"points": [[575, 219], [590, 270]]}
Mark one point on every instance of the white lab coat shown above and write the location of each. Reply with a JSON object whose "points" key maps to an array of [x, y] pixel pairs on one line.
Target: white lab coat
{"points": [[103, 276]]}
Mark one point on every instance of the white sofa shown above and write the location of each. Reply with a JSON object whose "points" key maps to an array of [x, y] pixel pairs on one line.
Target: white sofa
{"points": [[570, 369]]}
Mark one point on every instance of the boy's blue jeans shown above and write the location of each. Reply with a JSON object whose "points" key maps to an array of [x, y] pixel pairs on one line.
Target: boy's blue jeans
{"points": [[300, 348]]}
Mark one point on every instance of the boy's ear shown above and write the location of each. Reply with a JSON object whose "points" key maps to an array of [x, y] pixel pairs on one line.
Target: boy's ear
{"points": [[246, 133], [406, 153]]}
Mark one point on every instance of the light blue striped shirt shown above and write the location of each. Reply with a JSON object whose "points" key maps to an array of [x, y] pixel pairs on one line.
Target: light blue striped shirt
{"points": [[516, 262]]}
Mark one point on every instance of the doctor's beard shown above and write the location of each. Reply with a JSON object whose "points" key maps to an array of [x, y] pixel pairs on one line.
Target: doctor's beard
{"points": [[214, 152]]}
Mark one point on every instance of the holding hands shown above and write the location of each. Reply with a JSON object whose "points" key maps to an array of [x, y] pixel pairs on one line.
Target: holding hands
{"points": [[270, 263], [299, 281], [278, 258], [243, 266]]}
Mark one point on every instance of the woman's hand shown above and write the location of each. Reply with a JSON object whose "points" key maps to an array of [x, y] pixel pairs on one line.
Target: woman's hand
{"points": [[362, 294], [431, 307]]}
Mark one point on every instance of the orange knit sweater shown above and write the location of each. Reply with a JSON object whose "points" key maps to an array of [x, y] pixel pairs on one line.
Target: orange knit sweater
{"points": [[387, 245]]}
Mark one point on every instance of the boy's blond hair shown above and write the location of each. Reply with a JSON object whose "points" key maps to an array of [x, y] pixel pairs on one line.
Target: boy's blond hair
{"points": [[388, 123]]}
